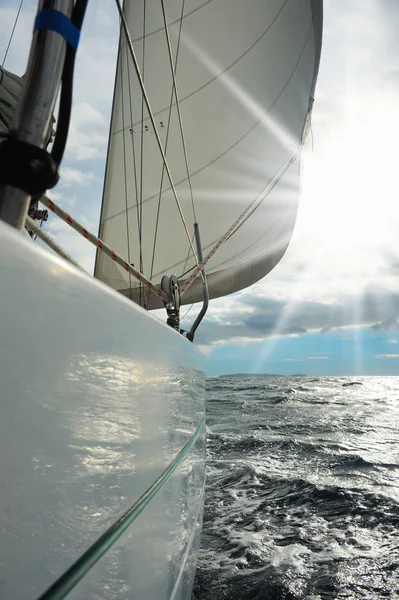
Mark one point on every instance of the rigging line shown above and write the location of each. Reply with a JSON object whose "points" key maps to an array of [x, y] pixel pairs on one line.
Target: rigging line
{"points": [[93, 239], [51, 243], [166, 147], [186, 261], [142, 141], [238, 222], [187, 311], [268, 189], [173, 70], [125, 175], [150, 113], [185, 272], [226, 69], [12, 32], [248, 132], [134, 158]]}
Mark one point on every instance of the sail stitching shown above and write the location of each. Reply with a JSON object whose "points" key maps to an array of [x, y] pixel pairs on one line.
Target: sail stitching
{"points": [[125, 174], [188, 14], [142, 145], [226, 69], [166, 145], [237, 142], [151, 115], [172, 68], [235, 226], [134, 161]]}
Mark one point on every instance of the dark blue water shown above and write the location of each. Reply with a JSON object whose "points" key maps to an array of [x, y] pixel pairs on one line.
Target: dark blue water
{"points": [[302, 489]]}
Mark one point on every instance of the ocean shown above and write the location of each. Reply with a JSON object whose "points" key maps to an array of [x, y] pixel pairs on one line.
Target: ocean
{"points": [[302, 494]]}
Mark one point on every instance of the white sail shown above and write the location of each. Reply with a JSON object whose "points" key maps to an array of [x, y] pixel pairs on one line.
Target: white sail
{"points": [[245, 76], [10, 87]]}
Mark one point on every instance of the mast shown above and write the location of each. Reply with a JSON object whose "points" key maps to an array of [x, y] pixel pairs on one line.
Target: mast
{"points": [[26, 169]]}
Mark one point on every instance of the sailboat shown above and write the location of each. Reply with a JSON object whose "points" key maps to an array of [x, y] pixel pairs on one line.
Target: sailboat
{"points": [[102, 430]]}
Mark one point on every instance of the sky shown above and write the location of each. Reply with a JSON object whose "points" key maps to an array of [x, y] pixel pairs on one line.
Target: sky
{"points": [[331, 307]]}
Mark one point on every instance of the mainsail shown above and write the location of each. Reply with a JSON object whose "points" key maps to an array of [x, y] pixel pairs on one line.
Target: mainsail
{"points": [[242, 76]]}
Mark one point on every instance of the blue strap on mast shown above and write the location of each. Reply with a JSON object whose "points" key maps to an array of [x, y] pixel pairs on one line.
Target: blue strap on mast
{"points": [[54, 20]]}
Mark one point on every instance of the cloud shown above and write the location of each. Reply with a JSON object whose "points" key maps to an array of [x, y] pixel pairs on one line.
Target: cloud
{"points": [[392, 341], [305, 359], [386, 356], [341, 267], [71, 176], [271, 310], [76, 245], [293, 359]]}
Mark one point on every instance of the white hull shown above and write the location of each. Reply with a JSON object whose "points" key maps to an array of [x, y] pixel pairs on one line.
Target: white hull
{"points": [[97, 400]]}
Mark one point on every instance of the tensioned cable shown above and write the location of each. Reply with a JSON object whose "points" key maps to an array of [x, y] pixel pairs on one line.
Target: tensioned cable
{"points": [[51, 243], [166, 149], [142, 144], [12, 33], [188, 310], [238, 222], [93, 239], [173, 70], [134, 162], [151, 116], [125, 175], [269, 188]]}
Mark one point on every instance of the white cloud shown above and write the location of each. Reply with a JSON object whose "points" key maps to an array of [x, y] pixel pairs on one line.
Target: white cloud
{"points": [[76, 245], [392, 341], [342, 266], [71, 176], [386, 356], [293, 359], [319, 358]]}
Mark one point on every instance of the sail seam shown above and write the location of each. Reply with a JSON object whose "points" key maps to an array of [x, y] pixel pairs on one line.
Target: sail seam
{"points": [[226, 69], [178, 106], [125, 174], [166, 147], [236, 143], [140, 79], [176, 21], [237, 222], [142, 143], [134, 161]]}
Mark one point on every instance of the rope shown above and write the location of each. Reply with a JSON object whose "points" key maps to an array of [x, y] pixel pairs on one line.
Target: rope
{"points": [[125, 178], [140, 223], [173, 69], [12, 33], [151, 116], [102, 246], [134, 163], [238, 222], [166, 149], [47, 239]]}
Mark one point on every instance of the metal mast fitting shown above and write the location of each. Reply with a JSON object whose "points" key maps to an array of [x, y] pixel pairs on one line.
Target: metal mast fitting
{"points": [[205, 291], [25, 167], [170, 287]]}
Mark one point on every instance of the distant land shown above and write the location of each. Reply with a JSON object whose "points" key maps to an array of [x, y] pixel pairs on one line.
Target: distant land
{"points": [[262, 375]]}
